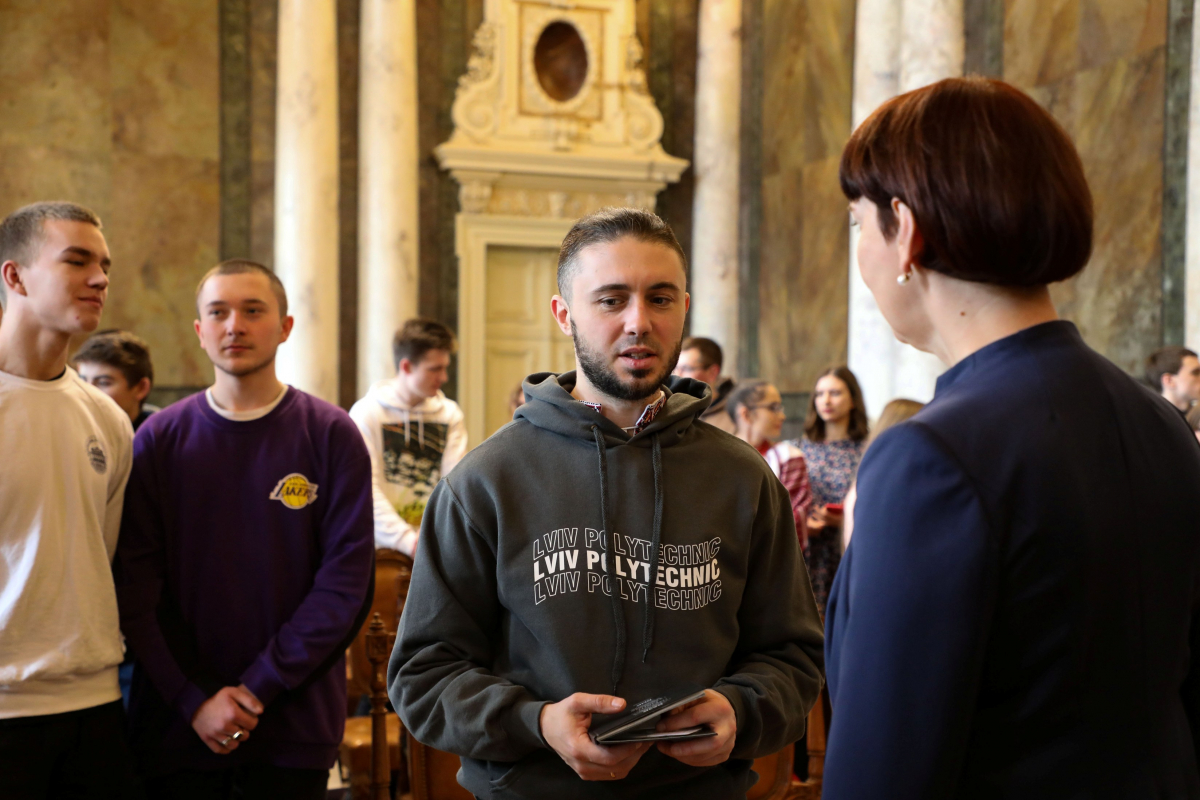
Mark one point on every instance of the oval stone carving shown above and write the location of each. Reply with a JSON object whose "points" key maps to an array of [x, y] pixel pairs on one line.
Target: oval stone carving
{"points": [[561, 61]]}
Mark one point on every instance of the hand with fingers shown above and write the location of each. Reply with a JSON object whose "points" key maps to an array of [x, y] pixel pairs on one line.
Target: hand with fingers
{"points": [[716, 712], [565, 728], [224, 721]]}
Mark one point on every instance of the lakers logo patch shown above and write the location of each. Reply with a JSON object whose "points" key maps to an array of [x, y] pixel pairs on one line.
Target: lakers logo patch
{"points": [[295, 491]]}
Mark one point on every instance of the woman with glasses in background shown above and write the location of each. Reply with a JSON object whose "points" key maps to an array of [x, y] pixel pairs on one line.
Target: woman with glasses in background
{"points": [[756, 408]]}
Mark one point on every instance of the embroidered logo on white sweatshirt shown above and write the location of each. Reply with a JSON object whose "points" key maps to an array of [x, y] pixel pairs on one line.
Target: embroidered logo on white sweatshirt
{"points": [[96, 455]]}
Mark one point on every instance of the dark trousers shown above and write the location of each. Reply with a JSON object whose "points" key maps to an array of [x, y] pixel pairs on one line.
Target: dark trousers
{"points": [[80, 754], [247, 782]]}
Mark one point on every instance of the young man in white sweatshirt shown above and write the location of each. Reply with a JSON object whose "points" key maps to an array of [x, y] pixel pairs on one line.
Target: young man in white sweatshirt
{"points": [[415, 434], [67, 451]]}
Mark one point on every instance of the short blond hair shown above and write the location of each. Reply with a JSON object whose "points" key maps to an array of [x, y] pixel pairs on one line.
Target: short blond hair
{"points": [[242, 266]]}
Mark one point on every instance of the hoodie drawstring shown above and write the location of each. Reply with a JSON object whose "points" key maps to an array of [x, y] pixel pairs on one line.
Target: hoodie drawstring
{"points": [[618, 668], [648, 610], [614, 595]]}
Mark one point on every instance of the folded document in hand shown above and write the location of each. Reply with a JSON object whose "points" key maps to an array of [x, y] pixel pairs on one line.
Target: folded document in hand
{"points": [[638, 723]]}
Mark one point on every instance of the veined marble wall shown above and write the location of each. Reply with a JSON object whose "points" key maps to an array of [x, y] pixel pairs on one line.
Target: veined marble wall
{"points": [[115, 104], [1099, 66], [802, 293]]}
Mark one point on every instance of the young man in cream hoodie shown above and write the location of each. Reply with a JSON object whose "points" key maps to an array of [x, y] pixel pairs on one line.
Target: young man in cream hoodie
{"points": [[415, 434], [67, 450]]}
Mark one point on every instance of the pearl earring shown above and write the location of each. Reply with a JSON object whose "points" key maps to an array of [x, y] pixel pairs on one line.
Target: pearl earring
{"points": [[903, 278]]}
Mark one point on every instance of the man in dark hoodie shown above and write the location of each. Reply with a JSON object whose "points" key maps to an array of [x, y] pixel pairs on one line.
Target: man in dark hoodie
{"points": [[604, 548]]}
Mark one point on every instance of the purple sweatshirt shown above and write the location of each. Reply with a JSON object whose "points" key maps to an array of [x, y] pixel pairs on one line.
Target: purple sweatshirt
{"points": [[245, 556]]}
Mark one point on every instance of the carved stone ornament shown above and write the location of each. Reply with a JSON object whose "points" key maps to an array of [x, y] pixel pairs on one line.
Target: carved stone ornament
{"points": [[554, 108]]}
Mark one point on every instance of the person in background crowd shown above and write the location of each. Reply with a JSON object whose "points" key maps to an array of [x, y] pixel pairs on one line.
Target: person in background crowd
{"points": [[245, 565], [1018, 615], [756, 408], [65, 454], [895, 412], [835, 433], [1174, 372], [1193, 419], [118, 364], [516, 399], [414, 433], [602, 550], [701, 359]]}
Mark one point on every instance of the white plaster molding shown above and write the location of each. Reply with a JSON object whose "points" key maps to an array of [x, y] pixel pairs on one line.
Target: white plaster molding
{"points": [[505, 121]]}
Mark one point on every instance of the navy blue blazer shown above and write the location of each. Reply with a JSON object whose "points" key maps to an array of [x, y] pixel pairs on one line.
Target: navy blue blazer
{"points": [[1016, 613]]}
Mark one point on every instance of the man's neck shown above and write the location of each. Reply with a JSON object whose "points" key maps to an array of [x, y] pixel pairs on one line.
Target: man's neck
{"points": [[625, 413], [31, 352], [1182, 403], [407, 396], [246, 392]]}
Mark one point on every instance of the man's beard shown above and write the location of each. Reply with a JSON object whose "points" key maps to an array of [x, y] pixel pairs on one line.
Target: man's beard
{"points": [[595, 366], [243, 371]]}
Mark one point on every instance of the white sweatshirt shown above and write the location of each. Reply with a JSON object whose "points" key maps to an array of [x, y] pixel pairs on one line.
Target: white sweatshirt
{"points": [[411, 450], [65, 454]]}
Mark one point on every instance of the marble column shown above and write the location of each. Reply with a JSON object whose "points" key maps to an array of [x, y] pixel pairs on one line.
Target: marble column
{"points": [[1192, 247], [306, 192], [900, 45], [714, 286], [388, 183]]}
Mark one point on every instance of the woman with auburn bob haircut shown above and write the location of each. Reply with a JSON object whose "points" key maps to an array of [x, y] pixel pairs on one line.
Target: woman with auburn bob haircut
{"points": [[1015, 614]]}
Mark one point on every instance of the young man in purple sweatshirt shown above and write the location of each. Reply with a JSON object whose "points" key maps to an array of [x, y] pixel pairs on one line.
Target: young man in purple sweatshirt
{"points": [[244, 566]]}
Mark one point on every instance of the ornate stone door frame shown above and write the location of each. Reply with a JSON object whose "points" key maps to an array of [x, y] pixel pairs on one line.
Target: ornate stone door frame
{"points": [[475, 233]]}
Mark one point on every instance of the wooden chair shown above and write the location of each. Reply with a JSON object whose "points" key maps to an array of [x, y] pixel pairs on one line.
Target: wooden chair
{"points": [[818, 734], [393, 571], [774, 776], [433, 774]]}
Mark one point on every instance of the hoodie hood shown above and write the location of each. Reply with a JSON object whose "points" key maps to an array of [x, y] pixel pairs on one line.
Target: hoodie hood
{"points": [[549, 405], [384, 393]]}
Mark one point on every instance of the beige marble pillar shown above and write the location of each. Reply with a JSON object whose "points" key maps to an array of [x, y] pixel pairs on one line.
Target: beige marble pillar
{"points": [[872, 350], [387, 183], [900, 45], [714, 287], [306, 192], [931, 48]]}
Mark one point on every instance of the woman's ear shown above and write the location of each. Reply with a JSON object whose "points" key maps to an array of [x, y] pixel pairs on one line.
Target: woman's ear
{"points": [[910, 244]]}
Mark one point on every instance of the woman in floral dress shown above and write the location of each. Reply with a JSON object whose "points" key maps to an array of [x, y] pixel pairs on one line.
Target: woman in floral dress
{"points": [[835, 433]]}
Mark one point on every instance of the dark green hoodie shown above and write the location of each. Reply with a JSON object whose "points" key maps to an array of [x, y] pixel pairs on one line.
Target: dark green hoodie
{"points": [[516, 599]]}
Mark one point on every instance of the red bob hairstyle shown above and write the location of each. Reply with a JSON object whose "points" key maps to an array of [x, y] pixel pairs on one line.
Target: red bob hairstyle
{"points": [[995, 185]]}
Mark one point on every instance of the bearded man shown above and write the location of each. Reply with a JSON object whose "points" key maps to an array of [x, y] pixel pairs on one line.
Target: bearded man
{"points": [[605, 548]]}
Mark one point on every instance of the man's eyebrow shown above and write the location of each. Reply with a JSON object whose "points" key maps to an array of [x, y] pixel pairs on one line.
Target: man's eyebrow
{"points": [[624, 287], [83, 251]]}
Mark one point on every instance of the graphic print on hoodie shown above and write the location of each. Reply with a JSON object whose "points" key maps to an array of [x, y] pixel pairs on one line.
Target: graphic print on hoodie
{"points": [[411, 449], [564, 555]]}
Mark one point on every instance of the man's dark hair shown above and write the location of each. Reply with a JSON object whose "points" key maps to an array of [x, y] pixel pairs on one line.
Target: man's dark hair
{"points": [[121, 350], [1165, 361], [995, 185], [417, 337], [859, 427], [21, 231], [243, 266], [609, 225], [710, 351]]}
